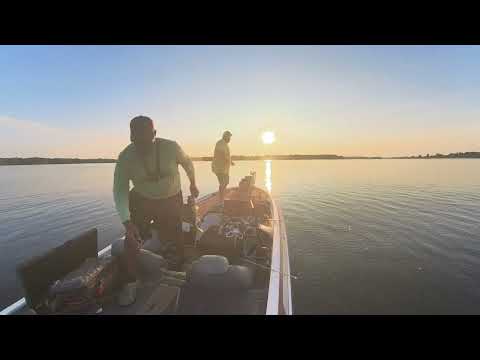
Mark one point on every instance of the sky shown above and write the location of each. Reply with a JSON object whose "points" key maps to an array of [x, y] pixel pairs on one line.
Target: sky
{"points": [[77, 101]]}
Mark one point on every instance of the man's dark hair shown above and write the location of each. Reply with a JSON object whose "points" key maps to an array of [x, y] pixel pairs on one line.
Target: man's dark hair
{"points": [[140, 122]]}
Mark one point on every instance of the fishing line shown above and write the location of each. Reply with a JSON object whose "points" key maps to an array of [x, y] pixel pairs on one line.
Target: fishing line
{"points": [[295, 277]]}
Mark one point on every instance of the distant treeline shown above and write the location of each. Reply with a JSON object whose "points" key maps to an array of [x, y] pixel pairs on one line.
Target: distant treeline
{"points": [[458, 155], [44, 161], [287, 157], [272, 157]]}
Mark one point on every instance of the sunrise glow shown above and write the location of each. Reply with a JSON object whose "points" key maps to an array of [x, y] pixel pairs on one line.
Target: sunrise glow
{"points": [[268, 137]]}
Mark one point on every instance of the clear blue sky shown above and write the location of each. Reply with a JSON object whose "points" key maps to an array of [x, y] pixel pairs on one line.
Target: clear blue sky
{"points": [[348, 100]]}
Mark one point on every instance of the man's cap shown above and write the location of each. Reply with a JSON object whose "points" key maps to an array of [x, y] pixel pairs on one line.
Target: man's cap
{"points": [[227, 133], [141, 122]]}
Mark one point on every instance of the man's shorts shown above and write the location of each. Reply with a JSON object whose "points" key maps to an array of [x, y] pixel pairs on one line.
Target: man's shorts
{"points": [[223, 179]]}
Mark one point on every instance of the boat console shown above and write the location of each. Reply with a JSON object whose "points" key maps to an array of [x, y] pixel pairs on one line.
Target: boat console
{"points": [[240, 231]]}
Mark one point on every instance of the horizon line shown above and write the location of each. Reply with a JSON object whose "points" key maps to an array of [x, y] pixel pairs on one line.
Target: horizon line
{"points": [[261, 156]]}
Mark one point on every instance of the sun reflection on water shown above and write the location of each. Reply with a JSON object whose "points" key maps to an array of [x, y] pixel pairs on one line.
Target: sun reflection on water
{"points": [[268, 175]]}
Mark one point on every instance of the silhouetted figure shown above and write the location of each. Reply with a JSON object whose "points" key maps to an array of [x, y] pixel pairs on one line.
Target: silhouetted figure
{"points": [[221, 163]]}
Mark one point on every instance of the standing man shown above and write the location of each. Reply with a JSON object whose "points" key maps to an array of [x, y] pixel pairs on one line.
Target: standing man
{"points": [[221, 163], [151, 164]]}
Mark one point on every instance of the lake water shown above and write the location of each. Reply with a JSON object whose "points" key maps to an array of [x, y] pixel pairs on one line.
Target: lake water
{"points": [[366, 236]]}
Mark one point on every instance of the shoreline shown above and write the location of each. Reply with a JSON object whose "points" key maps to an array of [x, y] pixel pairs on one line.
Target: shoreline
{"points": [[20, 162]]}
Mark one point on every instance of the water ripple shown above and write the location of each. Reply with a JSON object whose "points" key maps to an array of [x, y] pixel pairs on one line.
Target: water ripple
{"points": [[365, 241]]}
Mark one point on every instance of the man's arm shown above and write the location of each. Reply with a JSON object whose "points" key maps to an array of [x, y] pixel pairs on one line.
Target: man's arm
{"points": [[187, 164], [121, 188]]}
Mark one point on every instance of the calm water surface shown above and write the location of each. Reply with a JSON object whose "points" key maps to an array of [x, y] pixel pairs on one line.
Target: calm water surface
{"points": [[367, 236]]}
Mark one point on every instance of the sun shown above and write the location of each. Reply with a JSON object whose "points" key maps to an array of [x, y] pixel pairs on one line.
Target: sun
{"points": [[268, 137]]}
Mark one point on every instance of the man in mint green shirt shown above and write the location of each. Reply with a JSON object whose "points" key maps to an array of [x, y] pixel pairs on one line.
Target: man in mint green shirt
{"points": [[151, 164]]}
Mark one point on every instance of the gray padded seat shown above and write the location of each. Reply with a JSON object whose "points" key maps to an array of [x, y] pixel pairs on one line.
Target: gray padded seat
{"points": [[150, 263], [214, 272], [214, 287]]}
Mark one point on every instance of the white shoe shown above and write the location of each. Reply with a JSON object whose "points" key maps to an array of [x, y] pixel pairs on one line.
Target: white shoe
{"points": [[128, 294]]}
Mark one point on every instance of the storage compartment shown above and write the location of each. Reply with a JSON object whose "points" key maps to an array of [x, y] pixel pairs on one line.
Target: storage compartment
{"points": [[39, 273], [214, 243], [83, 290]]}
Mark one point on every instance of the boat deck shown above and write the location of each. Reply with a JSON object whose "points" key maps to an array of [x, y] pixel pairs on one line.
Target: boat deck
{"points": [[152, 299], [160, 296], [251, 302]]}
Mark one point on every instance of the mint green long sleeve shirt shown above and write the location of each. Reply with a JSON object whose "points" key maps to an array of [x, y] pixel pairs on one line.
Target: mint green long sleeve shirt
{"points": [[130, 167]]}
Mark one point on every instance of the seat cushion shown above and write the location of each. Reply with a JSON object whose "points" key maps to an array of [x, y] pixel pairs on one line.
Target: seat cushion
{"points": [[214, 272], [210, 265]]}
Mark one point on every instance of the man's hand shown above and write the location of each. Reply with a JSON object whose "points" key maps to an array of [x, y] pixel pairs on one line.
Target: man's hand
{"points": [[194, 190], [132, 235]]}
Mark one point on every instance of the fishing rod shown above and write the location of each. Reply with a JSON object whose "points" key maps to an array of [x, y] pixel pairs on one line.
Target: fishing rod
{"points": [[295, 277]]}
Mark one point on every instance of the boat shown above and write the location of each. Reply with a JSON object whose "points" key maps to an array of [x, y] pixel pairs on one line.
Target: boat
{"points": [[236, 263]]}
